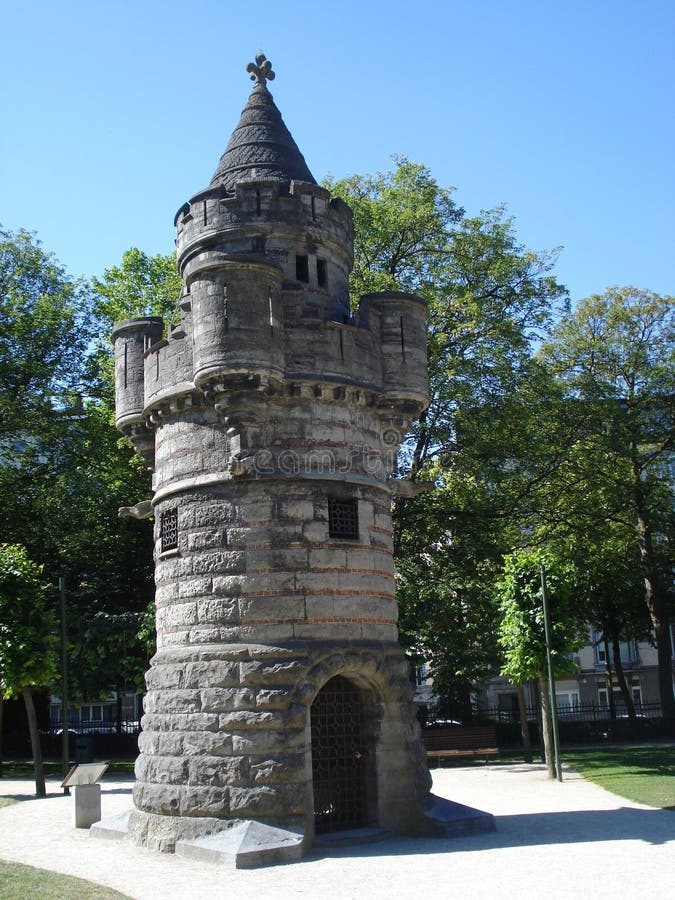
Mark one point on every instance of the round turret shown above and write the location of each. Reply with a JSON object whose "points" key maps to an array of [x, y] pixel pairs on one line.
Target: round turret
{"points": [[275, 416], [131, 339]]}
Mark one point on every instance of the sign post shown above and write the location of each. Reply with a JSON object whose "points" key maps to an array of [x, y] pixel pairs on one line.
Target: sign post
{"points": [[86, 792]]}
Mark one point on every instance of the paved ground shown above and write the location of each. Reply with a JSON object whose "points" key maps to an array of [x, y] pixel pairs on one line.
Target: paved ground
{"points": [[553, 840]]}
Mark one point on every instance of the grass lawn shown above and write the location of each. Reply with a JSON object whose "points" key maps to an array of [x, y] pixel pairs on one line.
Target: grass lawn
{"points": [[53, 768], [642, 774], [19, 882]]}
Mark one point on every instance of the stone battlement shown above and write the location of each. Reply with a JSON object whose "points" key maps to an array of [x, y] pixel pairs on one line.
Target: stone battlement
{"points": [[266, 346]]}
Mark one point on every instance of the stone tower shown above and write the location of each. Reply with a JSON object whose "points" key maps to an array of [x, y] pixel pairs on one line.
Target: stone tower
{"points": [[271, 416]]}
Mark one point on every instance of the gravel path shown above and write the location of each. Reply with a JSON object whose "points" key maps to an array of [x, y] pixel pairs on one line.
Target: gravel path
{"points": [[553, 840]]}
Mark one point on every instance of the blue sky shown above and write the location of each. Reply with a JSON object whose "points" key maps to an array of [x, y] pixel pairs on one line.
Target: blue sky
{"points": [[116, 112]]}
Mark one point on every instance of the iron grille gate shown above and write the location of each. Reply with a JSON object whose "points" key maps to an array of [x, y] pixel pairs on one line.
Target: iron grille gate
{"points": [[340, 757]]}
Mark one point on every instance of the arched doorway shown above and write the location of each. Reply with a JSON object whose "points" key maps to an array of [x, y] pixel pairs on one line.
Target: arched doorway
{"points": [[343, 757]]}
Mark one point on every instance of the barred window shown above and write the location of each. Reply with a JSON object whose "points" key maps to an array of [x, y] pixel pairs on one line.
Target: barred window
{"points": [[343, 518], [169, 530]]}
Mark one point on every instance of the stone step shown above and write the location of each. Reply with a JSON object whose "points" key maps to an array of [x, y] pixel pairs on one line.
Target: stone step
{"points": [[351, 837]]}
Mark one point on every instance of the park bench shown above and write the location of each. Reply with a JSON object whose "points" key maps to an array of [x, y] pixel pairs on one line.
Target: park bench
{"points": [[459, 741]]}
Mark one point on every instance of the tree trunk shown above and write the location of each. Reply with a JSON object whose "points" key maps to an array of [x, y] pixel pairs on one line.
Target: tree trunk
{"points": [[547, 726], [655, 596], [536, 690], [524, 726], [38, 765], [621, 678], [118, 712], [465, 706], [664, 655], [2, 701], [610, 680]]}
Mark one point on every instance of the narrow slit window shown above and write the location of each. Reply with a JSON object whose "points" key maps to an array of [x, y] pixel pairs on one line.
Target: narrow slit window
{"points": [[343, 519], [257, 202], [271, 313], [302, 267], [126, 363], [169, 530], [402, 340], [206, 215], [321, 272], [225, 309]]}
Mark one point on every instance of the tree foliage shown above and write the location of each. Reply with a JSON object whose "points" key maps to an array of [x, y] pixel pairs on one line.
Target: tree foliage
{"points": [[614, 358], [488, 298], [28, 644], [64, 470], [519, 593], [522, 636], [141, 285], [111, 654], [447, 617], [43, 336]]}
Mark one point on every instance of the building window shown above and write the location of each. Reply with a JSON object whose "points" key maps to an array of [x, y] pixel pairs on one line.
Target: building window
{"points": [[629, 650], [343, 519], [567, 701], [321, 272], [302, 267], [169, 530], [635, 690], [421, 674], [598, 641]]}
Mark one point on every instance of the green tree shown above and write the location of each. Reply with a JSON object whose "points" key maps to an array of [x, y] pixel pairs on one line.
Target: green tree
{"points": [[614, 357], [488, 299], [43, 338], [612, 592], [28, 645], [402, 222], [141, 285], [522, 636], [447, 616], [110, 655], [64, 469]]}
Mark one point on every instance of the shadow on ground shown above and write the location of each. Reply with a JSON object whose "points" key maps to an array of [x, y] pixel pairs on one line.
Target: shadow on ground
{"points": [[653, 826]]}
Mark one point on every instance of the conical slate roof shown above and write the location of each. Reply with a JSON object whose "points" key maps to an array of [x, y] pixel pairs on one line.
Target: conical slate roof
{"points": [[261, 146]]}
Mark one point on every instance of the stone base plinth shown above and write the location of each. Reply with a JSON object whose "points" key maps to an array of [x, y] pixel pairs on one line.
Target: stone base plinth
{"points": [[86, 804], [227, 737]]}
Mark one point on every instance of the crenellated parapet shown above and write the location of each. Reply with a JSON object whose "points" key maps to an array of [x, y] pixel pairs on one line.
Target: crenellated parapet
{"points": [[247, 346], [131, 340], [311, 247], [402, 336]]}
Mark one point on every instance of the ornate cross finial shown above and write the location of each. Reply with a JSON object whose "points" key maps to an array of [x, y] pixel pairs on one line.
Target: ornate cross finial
{"points": [[261, 69]]}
